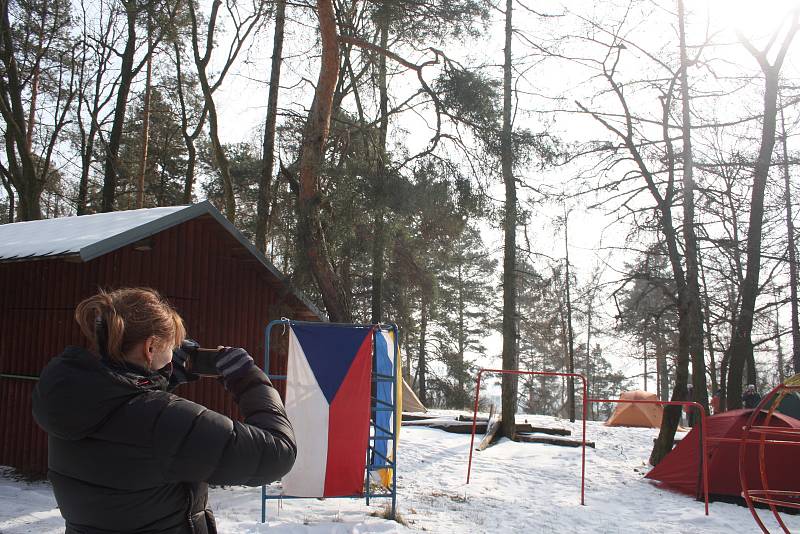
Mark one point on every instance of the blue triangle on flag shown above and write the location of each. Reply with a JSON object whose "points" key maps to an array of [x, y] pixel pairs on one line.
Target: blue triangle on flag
{"points": [[330, 351]]}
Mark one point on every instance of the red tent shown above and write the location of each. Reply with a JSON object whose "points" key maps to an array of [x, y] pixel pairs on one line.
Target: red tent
{"points": [[680, 469]]}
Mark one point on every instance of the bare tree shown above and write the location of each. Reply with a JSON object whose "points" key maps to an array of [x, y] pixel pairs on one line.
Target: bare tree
{"points": [[128, 72], [23, 65], [242, 28], [741, 348], [792, 251], [315, 134], [265, 182], [95, 91], [510, 325], [665, 193]]}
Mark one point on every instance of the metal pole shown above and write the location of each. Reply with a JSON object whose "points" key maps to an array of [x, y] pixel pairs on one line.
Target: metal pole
{"points": [[704, 452], [583, 441], [474, 422], [267, 332], [396, 421]]}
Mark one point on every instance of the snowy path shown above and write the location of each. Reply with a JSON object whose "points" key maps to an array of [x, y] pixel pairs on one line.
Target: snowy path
{"points": [[515, 487]]}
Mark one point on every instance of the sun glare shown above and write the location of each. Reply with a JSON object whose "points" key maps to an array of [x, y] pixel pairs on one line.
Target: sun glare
{"points": [[753, 18]]}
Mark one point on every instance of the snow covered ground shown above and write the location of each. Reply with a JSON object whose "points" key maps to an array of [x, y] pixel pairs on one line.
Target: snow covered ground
{"points": [[515, 487]]}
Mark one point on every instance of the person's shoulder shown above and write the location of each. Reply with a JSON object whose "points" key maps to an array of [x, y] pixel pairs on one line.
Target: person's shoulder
{"points": [[180, 407], [179, 417]]}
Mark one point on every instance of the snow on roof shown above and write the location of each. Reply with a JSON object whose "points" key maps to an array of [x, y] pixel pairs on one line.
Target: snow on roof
{"points": [[91, 236], [72, 235]]}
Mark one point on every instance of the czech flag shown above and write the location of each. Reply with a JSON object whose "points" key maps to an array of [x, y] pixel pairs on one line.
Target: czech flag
{"points": [[328, 384]]}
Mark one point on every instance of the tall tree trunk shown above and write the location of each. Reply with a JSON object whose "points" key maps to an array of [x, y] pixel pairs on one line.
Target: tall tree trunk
{"points": [[723, 364], [644, 357], [188, 137], [315, 134], [35, 80], [220, 158], [712, 369], [690, 325], [115, 137], [36, 76], [86, 169], [379, 241], [462, 338], [663, 373], [191, 164], [723, 383], [145, 118], [264, 185], [792, 252], [781, 368], [422, 360], [22, 170], [692, 288], [510, 361], [87, 137], [741, 347], [571, 360], [10, 194]]}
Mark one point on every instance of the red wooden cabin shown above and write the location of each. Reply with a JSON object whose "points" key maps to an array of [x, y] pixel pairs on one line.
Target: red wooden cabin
{"points": [[223, 287]]}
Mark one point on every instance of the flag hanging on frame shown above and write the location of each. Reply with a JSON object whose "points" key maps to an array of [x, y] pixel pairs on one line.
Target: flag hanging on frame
{"points": [[385, 421], [328, 383]]}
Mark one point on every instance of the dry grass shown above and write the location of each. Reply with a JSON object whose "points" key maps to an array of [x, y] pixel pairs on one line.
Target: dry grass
{"points": [[385, 512]]}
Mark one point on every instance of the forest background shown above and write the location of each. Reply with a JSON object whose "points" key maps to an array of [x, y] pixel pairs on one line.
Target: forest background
{"points": [[604, 187]]}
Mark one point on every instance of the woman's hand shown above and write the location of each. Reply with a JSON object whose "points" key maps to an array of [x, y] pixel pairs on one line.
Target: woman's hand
{"points": [[180, 374], [233, 362]]}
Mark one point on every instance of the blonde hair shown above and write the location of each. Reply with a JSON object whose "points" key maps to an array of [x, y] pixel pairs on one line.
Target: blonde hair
{"points": [[116, 321]]}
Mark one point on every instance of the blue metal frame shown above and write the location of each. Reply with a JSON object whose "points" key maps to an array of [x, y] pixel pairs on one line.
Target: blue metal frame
{"points": [[377, 405]]}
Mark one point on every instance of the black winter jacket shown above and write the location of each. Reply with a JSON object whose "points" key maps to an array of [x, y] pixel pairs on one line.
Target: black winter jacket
{"points": [[127, 456]]}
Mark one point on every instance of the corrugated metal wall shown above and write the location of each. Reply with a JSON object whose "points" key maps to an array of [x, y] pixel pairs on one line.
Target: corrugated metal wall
{"points": [[225, 296]]}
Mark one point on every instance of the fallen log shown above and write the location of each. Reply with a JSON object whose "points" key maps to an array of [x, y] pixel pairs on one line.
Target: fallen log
{"points": [[468, 418], [491, 432], [418, 417], [551, 431], [459, 427], [528, 438], [520, 426]]}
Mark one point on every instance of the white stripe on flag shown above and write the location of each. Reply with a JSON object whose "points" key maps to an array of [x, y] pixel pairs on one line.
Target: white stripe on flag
{"points": [[308, 410]]}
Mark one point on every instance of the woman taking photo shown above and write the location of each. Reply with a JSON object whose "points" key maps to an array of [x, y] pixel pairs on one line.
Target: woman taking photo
{"points": [[127, 456]]}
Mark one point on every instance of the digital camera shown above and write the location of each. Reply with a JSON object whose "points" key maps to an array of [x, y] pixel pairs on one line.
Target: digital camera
{"points": [[200, 361]]}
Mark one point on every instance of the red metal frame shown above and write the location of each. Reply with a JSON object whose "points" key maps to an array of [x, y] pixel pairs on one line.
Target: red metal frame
{"points": [[765, 495], [586, 401], [539, 373]]}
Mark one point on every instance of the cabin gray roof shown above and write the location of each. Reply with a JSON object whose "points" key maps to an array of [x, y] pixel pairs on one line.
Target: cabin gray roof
{"points": [[90, 236]]}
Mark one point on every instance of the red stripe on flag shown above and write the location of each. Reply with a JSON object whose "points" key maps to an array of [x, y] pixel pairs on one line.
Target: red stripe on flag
{"points": [[348, 427]]}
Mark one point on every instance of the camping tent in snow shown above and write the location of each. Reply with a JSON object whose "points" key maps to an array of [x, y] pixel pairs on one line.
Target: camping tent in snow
{"points": [[411, 402], [680, 469], [642, 415]]}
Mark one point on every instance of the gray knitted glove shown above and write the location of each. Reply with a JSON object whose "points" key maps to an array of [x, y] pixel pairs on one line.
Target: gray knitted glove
{"points": [[233, 362]]}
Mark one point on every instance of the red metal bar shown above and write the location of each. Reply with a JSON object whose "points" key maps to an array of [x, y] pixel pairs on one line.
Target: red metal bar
{"points": [[537, 373], [703, 428], [776, 502], [754, 441], [774, 396], [775, 430], [789, 493]]}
